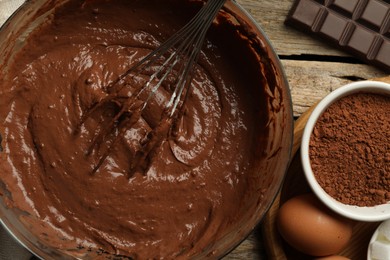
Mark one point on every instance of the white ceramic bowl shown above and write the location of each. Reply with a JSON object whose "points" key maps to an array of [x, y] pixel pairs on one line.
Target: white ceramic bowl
{"points": [[368, 214], [379, 236]]}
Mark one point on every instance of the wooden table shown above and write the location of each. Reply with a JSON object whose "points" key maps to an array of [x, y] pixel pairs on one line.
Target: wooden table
{"points": [[313, 70]]}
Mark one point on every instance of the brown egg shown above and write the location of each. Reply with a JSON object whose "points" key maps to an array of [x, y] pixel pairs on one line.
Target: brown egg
{"points": [[310, 227]]}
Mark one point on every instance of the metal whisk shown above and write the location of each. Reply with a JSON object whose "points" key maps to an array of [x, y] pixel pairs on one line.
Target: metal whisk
{"points": [[174, 58]]}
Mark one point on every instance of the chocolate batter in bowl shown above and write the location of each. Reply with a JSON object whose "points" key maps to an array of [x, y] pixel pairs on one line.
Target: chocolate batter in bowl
{"points": [[206, 186]]}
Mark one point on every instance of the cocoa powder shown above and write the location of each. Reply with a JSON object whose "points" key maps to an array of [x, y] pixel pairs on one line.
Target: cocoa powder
{"points": [[350, 150]]}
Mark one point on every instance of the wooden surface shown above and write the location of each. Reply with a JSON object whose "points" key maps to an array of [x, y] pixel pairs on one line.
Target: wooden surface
{"points": [[311, 76]]}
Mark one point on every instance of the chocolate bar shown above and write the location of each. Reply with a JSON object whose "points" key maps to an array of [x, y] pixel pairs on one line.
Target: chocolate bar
{"points": [[360, 27]]}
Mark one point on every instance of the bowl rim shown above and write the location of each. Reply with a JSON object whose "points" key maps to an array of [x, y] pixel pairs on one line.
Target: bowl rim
{"points": [[366, 214]]}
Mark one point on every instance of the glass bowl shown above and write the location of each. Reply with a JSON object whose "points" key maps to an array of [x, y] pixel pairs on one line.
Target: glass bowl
{"points": [[273, 156]]}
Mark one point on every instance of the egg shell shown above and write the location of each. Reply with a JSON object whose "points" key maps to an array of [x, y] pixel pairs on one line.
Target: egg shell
{"points": [[310, 227]]}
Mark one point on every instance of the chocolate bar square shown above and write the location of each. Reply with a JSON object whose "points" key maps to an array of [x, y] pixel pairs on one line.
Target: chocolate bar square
{"points": [[360, 27]]}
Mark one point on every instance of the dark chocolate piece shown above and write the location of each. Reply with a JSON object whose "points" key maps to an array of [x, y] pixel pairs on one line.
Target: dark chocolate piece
{"points": [[360, 27]]}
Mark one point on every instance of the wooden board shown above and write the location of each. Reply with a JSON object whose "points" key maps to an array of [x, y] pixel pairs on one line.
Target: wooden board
{"points": [[295, 184]]}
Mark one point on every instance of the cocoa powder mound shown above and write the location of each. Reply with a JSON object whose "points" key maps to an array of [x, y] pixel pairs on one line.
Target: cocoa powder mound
{"points": [[350, 150]]}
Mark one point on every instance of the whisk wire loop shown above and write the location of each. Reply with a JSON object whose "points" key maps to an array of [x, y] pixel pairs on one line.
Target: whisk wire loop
{"points": [[200, 30], [175, 57]]}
